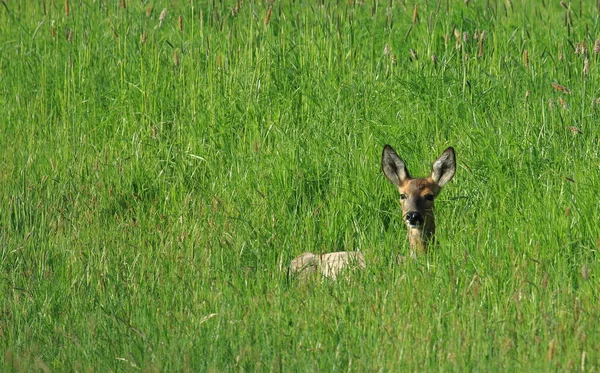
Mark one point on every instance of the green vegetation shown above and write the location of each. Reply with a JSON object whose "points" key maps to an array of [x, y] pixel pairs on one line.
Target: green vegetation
{"points": [[159, 171]]}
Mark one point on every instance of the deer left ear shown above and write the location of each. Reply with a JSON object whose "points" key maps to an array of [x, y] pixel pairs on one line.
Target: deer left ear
{"points": [[444, 167], [393, 166]]}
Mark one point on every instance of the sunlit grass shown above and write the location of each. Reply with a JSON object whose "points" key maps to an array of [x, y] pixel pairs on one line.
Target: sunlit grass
{"points": [[157, 177]]}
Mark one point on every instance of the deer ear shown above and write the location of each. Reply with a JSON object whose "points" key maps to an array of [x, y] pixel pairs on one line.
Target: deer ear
{"points": [[444, 167], [393, 166]]}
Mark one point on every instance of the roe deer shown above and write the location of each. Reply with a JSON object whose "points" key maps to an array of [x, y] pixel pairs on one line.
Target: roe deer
{"points": [[418, 194], [417, 197]]}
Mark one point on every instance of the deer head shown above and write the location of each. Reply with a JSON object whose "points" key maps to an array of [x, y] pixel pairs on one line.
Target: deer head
{"points": [[417, 195]]}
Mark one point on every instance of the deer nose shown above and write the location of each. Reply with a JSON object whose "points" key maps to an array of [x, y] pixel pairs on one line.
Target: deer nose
{"points": [[414, 218]]}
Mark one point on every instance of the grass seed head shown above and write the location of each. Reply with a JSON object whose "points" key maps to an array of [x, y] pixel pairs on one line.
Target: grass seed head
{"points": [[413, 54], [268, 15], [596, 46], [415, 17], [67, 9], [560, 88], [387, 50], [149, 11], [176, 58], [551, 350], [123, 5], [581, 48], [586, 66], [563, 103], [584, 272], [545, 280], [162, 17], [143, 37], [526, 58], [180, 23], [482, 37]]}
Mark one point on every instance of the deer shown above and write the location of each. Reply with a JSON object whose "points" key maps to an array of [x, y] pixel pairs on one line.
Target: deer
{"points": [[417, 197]]}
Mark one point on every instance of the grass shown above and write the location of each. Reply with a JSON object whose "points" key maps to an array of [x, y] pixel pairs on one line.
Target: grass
{"points": [[156, 181]]}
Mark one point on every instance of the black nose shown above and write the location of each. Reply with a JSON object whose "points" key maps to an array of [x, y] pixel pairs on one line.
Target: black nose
{"points": [[414, 218]]}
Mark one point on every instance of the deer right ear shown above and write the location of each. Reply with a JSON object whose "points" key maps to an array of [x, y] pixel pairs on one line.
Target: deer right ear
{"points": [[444, 167], [393, 166]]}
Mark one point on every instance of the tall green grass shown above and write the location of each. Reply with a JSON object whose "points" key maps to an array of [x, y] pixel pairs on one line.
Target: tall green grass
{"points": [[156, 181]]}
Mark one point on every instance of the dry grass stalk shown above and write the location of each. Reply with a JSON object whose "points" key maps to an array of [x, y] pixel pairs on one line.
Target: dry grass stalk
{"points": [[526, 58], [162, 17], [563, 103], [586, 66], [144, 37], [176, 58], [123, 5], [458, 40], [413, 54], [415, 17], [149, 11], [545, 280], [268, 16], [482, 37], [69, 35], [560, 88], [387, 50], [584, 272], [67, 9], [236, 9], [551, 350], [180, 23], [581, 48]]}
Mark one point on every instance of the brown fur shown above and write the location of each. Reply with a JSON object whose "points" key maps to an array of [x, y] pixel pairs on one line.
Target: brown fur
{"points": [[418, 194]]}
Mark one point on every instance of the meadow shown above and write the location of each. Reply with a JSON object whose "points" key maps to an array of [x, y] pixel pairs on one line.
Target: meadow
{"points": [[162, 162]]}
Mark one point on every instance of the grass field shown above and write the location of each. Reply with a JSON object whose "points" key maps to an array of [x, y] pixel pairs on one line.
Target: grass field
{"points": [[160, 169]]}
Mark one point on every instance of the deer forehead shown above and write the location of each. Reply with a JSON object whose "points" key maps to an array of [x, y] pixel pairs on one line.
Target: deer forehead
{"points": [[419, 187]]}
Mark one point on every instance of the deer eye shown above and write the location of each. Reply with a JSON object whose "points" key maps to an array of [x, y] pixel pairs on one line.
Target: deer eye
{"points": [[402, 196], [429, 197]]}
